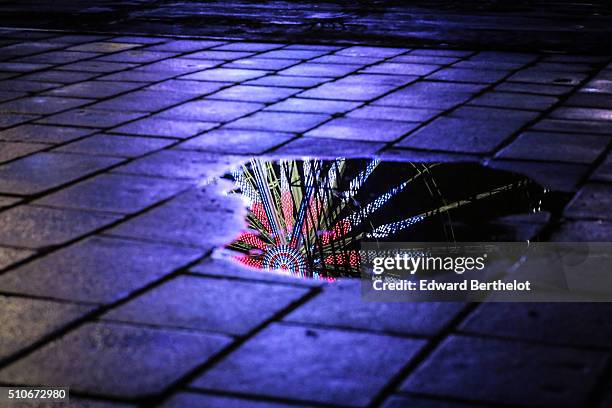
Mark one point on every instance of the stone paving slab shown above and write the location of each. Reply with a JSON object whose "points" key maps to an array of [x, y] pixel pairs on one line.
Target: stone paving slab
{"points": [[281, 359], [97, 270], [126, 361], [581, 325], [43, 318], [246, 305], [550, 376], [39, 227], [106, 137], [330, 309], [44, 171]]}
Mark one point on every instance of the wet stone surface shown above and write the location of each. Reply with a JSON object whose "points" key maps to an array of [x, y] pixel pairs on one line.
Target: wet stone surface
{"points": [[124, 359], [79, 226], [271, 355], [549, 375], [44, 317]]}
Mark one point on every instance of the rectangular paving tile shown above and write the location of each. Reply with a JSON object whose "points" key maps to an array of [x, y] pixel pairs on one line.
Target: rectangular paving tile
{"points": [[142, 76], [319, 70], [250, 93], [126, 361], [184, 45], [91, 118], [175, 66], [44, 134], [401, 68], [213, 54], [197, 88], [540, 76], [21, 67], [346, 60], [288, 357], [155, 126], [115, 145], [12, 119], [347, 92], [329, 309], [137, 56], [18, 85], [488, 65], [226, 75], [469, 75], [286, 81], [211, 110], [394, 113], [62, 77], [37, 227], [515, 373], [261, 63], [97, 270], [593, 201], [103, 47], [96, 66], [590, 100], [280, 121], [94, 89], [582, 114], [120, 193], [132, 39], [500, 56], [362, 129], [459, 135], [365, 51], [512, 117], [575, 324], [177, 164], [573, 126], [217, 305], [142, 101], [330, 148], [43, 171], [202, 221], [292, 54], [312, 106], [563, 147], [236, 141], [536, 89], [11, 151], [58, 57], [248, 46], [429, 95], [515, 100], [10, 256], [43, 318]]}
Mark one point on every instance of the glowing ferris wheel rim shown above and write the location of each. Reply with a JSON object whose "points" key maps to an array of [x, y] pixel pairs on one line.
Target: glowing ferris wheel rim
{"points": [[284, 257]]}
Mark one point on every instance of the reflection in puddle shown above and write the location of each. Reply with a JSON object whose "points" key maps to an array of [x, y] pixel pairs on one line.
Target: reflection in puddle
{"points": [[307, 217]]}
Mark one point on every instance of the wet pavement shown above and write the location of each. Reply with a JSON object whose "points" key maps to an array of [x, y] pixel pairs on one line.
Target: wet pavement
{"points": [[108, 221], [561, 25]]}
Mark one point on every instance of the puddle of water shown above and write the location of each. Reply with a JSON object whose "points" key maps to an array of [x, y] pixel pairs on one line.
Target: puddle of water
{"points": [[307, 217]]}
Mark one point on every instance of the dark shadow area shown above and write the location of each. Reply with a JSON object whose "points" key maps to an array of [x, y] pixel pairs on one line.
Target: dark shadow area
{"points": [[566, 26]]}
